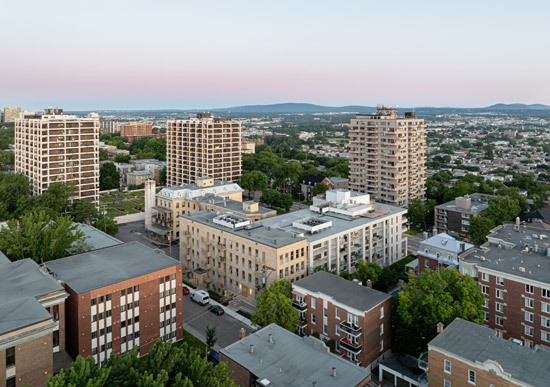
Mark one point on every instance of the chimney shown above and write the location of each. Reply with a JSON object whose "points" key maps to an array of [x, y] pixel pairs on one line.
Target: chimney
{"points": [[242, 333], [333, 372], [462, 247], [251, 348], [369, 283], [270, 338], [440, 327]]}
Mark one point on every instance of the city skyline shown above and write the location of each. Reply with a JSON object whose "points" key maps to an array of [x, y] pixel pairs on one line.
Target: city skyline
{"points": [[179, 55]]}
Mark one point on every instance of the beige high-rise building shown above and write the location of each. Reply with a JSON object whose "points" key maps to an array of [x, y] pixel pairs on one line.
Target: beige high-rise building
{"points": [[203, 146], [387, 158], [55, 147], [11, 114]]}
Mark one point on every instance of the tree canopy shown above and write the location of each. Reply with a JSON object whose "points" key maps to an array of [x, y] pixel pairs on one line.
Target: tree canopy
{"points": [[275, 306], [430, 298], [109, 178], [422, 212], [479, 228], [166, 364]]}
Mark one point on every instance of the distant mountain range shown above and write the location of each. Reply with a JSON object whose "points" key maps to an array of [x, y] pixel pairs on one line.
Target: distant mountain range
{"points": [[517, 106]]}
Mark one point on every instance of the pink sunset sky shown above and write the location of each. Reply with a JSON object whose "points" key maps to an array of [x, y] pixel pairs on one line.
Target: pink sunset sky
{"points": [[204, 54]]}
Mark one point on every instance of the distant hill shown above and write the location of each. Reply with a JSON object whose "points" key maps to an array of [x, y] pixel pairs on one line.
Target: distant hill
{"points": [[517, 106], [295, 108]]}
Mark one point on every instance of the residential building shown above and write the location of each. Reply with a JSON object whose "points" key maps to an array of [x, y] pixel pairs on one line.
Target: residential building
{"points": [[55, 147], [387, 158], [237, 255], [311, 181], [248, 147], [137, 178], [343, 227], [441, 251], [32, 323], [513, 271], [357, 318], [202, 146], [12, 114], [467, 354], [134, 130], [454, 217], [174, 201], [120, 297], [273, 356], [153, 166]]}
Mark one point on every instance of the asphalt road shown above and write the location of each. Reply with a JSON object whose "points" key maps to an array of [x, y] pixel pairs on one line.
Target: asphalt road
{"points": [[196, 318]]}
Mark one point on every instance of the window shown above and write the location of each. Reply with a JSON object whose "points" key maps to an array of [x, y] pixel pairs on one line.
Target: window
{"points": [[313, 301], [381, 329], [529, 302], [499, 321], [500, 281], [545, 336], [55, 312], [100, 299], [484, 289], [447, 366], [381, 345], [122, 292], [486, 316], [325, 329], [486, 303], [94, 335], [338, 329], [94, 351], [499, 307], [55, 336], [325, 312], [313, 319], [10, 357], [485, 277], [529, 289], [123, 308], [530, 317], [446, 383], [545, 307], [499, 294], [382, 312], [471, 377], [337, 313], [94, 301], [528, 330], [545, 322], [546, 293]]}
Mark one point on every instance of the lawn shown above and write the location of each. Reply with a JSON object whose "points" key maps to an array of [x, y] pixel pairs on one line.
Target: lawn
{"points": [[413, 231], [192, 342], [119, 203]]}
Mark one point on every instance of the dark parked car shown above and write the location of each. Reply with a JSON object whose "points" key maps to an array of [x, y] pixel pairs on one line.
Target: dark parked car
{"points": [[216, 309]]}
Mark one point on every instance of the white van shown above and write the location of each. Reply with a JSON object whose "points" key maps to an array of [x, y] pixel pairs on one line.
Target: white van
{"points": [[200, 297]]}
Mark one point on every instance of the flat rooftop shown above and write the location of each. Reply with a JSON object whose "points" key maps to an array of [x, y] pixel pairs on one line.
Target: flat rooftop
{"points": [[99, 268], [95, 238], [191, 191], [233, 205], [479, 204], [511, 257], [256, 232], [446, 242], [21, 282], [479, 344], [343, 291], [291, 360]]}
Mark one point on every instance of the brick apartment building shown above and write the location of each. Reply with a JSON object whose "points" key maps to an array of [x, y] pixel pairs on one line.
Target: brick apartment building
{"points": [[513, 271], [356, 317], [454, 217], [467, 354], [134, 130], [120, 297], [441, 251], [32, 323]]}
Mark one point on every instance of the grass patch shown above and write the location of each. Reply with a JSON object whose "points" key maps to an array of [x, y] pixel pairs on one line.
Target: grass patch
{"points": [[413, 231], [192, 342]]}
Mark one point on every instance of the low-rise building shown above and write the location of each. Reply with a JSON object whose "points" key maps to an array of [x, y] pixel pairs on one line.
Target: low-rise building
{"points": [[236, 255], [513, 271], [467, 354], [310, 181], [137, 178], [273, 356], [32, 323], [120, 297], [357, 318], [454, 217], [441, 251]]}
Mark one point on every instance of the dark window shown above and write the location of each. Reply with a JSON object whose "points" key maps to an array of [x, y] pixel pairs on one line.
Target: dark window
{"points": [[136, 319], [123, 292], [56, 338], [108, 297], [94, 335], [102, 348], [109, 345], [136, 334], [55, 313], [167, 278], [109, 329], [129, 290], [123, 324], [100, 298], [136, 288], [10, 382], [94, 301], [10, 357], [123, 339], [161, 280], [136, 304], [108, 313]]}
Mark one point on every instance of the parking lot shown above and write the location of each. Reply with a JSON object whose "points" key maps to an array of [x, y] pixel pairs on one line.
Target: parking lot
{"points": [[135, 231]]}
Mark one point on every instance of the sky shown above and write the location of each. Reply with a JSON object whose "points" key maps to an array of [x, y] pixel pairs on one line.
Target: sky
{"points": [[180, 54]]}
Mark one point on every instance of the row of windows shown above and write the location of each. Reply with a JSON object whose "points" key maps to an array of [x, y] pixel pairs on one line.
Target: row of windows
{"points": [[129, 306], [123, 292], [102, 332], [167, 307], [109, 345], [129, 322], [167, 278], [167, 322], [447, 367], [101, 315], [167, 293]]}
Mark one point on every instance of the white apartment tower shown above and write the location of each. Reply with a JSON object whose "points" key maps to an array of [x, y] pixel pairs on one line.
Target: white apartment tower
{"points": [[387, 157], [55, 147], [203, 146]]}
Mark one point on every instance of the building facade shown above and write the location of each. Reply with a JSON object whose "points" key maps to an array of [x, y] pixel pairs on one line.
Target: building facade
{"points": [[32, 323], [454, 217], [467, 354], [513, 271], [441, 251], [54, 147], [357, 318], [12, 114], [134, 130], [202, 146], [120, 297], [237, 255], [387, 157]]}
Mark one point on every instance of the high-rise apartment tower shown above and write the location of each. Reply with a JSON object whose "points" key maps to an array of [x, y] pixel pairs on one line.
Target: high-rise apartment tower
{"points": [[203, 146], [55, 147], [387, 157]]}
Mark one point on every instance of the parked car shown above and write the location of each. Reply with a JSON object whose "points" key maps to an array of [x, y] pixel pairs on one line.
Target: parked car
{"points": [[185, 290], [216, 309], [200, 297]]}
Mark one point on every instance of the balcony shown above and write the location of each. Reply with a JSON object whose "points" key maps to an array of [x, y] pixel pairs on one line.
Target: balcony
{"points": [[349, 346], [301, 324], [350, 329], [300, 305], [423, 361]]}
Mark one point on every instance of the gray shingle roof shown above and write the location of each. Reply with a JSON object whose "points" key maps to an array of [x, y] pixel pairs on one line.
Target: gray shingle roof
{"points": [[477, 343], [345, 292]]}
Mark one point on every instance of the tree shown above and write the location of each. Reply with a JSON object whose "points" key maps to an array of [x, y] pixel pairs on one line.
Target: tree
{"points": [[56, 199], [318, 189], [39, 236], [254, 181], [122, 158], [211, 336], [479, 228], [107, 225], [430, 298], [109, 178], [422, 212], [14, 191], [275, 306], [84, 211], [368, 271], [502, 209], [162, 176], [7, 160]]}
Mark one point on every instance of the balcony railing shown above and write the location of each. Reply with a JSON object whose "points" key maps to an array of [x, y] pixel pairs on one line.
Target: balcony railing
{"points": [[300, 305], [301, 324], [351, 347], [351, 329], [423, 361]]}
